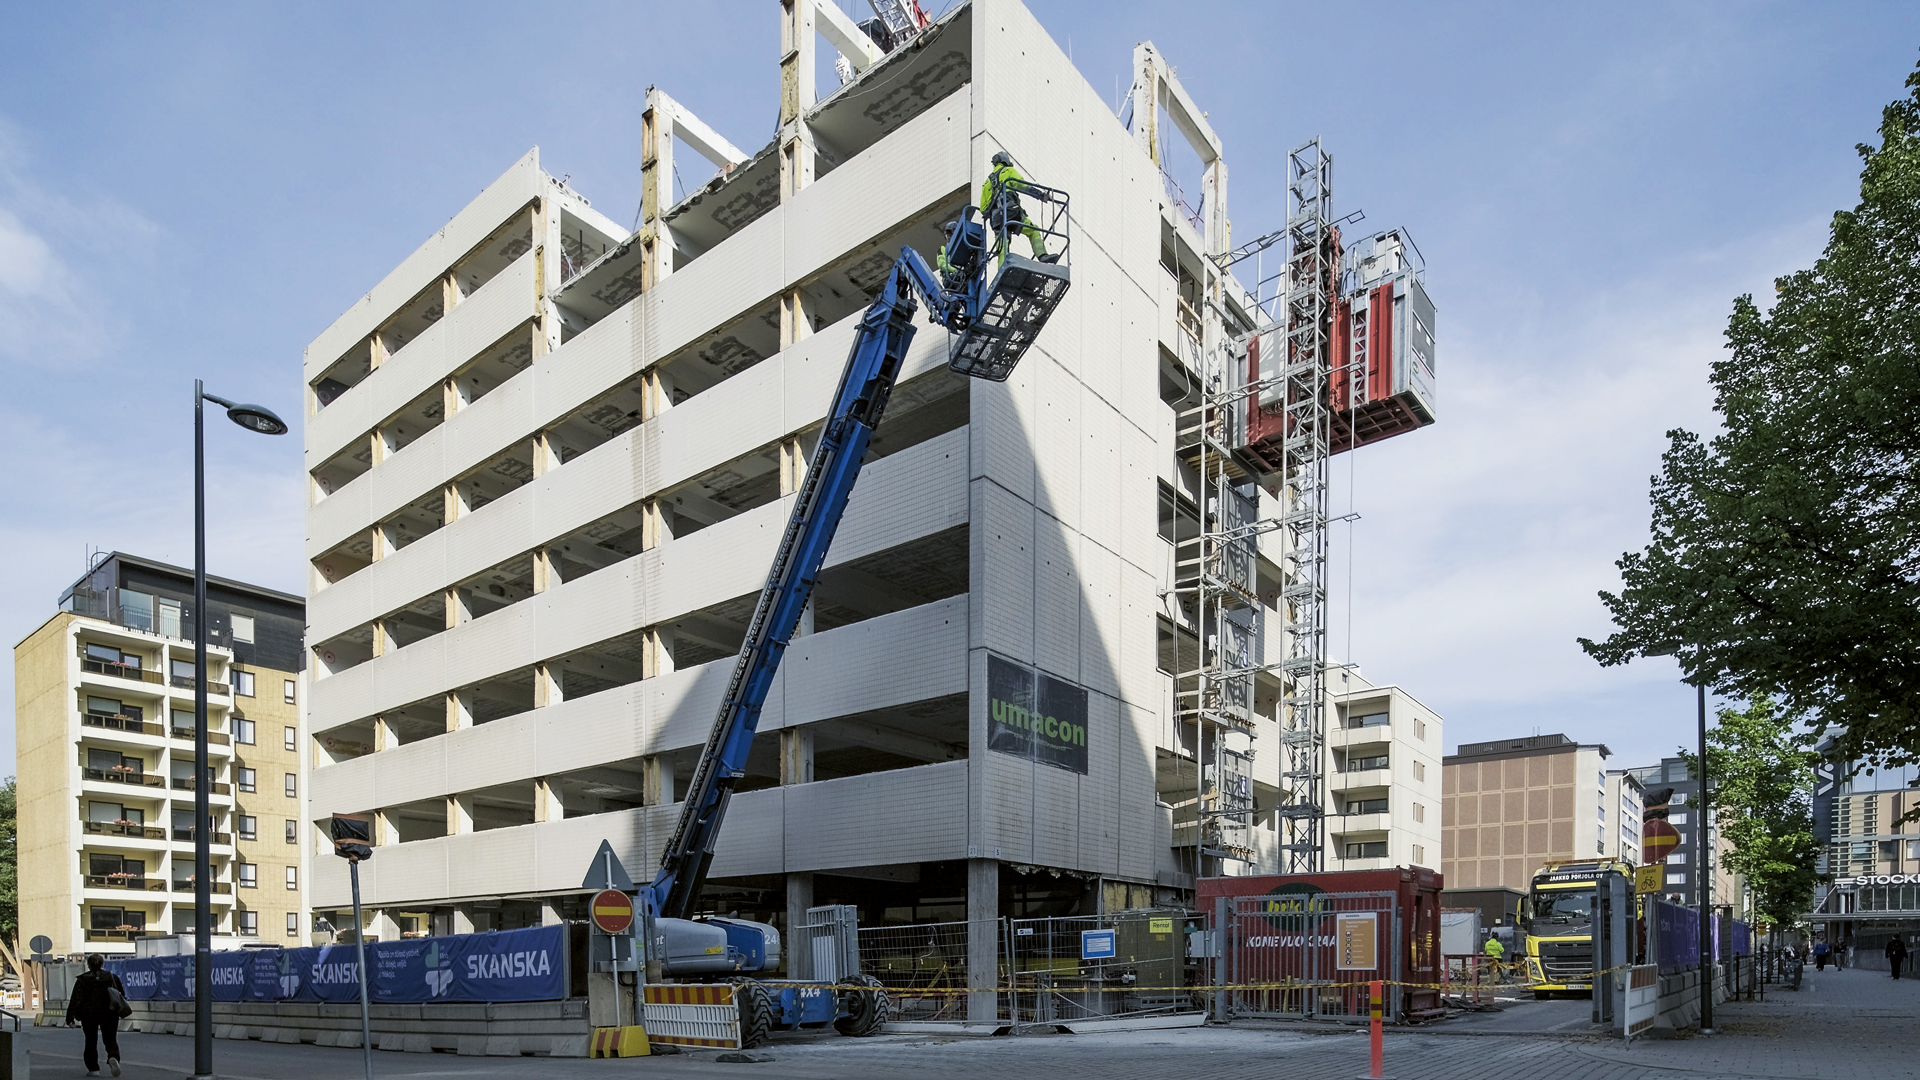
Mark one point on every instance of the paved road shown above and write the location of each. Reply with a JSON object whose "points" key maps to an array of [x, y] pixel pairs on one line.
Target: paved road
{"points": [[1843, 1025]]}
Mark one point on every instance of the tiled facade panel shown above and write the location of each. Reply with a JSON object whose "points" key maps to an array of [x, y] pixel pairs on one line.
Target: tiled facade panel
{"points": [[879, 819], [497, 307], [515, 188]]}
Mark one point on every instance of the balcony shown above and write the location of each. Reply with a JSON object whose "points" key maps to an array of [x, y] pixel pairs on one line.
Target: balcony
{"points": [[186, 783], [121, 774], [185, 836], [118, 933], [219, 888], [118, 671], [214, 738], [1355, 779], [128, 829], [117, 722], [134, 882], [185, 682], [1342, 737], [1354, 824]]}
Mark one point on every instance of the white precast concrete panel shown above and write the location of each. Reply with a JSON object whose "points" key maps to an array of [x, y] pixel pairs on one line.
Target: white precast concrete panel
{"points": [[506, 301], [1003, 583], [1056, 439], [1136, 813], [1054, 599], [1103, 476], [1002, 419], [1056, 816], [1100, 794], [1101, 631], [904, 816], [1139, 605], [514, 189]]}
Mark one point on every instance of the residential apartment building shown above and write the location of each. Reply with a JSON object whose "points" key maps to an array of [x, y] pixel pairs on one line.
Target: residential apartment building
{"points": [[1684, 861], [550, 460], [104, 730], [1512, 805], [1384, 776], [1623, 805]]}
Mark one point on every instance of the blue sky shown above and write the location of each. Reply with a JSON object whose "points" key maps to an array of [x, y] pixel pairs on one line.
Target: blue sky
{"points": [[199, 190]]}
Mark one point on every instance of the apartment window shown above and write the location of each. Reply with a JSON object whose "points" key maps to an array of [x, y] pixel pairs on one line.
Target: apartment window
{"points": [[1419, 812], [1676, 858], [1361, 764], [244, 777], [248, 875], [287, 739], [1913, 849], [1603, 813], [293, 786], [243, 628], [243, 731], [1676, 879], [250, 923], [286, 690], [1378, 719], [1420, 854], [182, 672], [1420, 772], [1676, 819], [1375, 849], [293, 877], [243, 683], [1889, 850], [249, 827], [293, 924], [293, 831], [1420, 729], [115, 918], [1366, 806]]}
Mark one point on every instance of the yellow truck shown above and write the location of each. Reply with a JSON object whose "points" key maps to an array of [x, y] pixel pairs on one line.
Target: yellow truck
{"points": [[1559, 924]]}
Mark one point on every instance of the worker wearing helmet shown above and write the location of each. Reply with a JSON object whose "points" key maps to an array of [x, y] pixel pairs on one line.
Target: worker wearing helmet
{"points": [[1000, 205], [1496, 957]]}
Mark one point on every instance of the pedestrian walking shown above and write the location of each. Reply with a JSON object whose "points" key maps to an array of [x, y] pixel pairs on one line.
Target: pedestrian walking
{"points": [[1896, 954], [1820, 952], [97, 1002]]}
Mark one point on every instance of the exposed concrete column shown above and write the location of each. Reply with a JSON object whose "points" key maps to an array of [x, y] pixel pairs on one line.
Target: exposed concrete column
{"points": [[550, 913], [459, 709], [656, 190], [459, 814], [656, 395], [656, 652], [383, 734], [450, 293], [453, 398], [547, 804], [656, 524], [383, 541], [656, 780], [546, 453], [458, 610], [380, 647], [545, 572], [796, 318], [799, 899], [544, 227], [463, 918], [383, 831], [796, 755], [382, 926], [457, 502], [376, 350], [376, 447], [797, 47], [983, 937], [549, 685], [793, 466]]}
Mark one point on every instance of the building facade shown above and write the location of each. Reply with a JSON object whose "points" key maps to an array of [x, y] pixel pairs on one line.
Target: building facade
{"points": [[1623, 806], [1513, 805], [104, 721], [1684, 862], [1384, 777], [550, 460]]}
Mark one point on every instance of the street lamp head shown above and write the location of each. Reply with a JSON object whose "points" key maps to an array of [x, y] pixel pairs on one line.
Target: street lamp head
{"points": [[257, 418]]}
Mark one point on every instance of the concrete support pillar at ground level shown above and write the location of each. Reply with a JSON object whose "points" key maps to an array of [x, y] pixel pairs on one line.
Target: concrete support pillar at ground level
{"points": [[983, 938], [462, 919], [799, 899], [382, 927], [550, 913]]}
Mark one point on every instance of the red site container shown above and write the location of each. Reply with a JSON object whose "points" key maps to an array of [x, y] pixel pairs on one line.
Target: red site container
{"points": [[1416, 893]]}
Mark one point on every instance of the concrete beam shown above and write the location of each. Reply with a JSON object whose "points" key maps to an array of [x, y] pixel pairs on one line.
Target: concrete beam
{"points": [[845, 35]]}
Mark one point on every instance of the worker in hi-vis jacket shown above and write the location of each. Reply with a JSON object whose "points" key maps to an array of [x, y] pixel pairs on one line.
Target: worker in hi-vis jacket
{"points": [[1000, 205]]}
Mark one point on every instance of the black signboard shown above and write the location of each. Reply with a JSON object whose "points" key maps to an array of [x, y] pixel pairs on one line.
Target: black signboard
{"points": [[1035, 716]]}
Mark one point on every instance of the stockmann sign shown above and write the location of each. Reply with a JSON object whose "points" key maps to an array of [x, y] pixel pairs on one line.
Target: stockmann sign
{"points": [[1036, 716]]}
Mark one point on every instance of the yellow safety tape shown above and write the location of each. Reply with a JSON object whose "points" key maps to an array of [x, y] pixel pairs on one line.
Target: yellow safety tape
{"points": [[1282, 984]]}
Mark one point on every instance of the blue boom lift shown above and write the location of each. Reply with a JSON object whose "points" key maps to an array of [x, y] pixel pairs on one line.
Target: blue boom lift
{"points": [[993, 304]]}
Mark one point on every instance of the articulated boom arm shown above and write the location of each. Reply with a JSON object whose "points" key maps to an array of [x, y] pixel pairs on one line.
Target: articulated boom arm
{"points": [[874, 363]]}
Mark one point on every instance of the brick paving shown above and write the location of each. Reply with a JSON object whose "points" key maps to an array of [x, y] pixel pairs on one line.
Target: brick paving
{"points": [[1843, 1024]]}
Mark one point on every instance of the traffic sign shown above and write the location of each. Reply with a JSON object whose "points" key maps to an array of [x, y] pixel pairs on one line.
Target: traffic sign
{"points": [[1649, 879], [1657, 840], [41, 943], [612, 911]]}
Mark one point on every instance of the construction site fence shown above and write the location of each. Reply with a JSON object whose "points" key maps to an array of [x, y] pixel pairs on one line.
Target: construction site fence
{"points": [[1295, 957]]}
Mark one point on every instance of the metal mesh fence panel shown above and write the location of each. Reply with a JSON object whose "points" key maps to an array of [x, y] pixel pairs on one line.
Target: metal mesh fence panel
{"points": [[1295, 955], [1085, 967], [925, 967]]}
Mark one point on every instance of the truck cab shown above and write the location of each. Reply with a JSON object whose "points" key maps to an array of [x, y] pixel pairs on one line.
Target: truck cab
{"points": [[1559, 924]]}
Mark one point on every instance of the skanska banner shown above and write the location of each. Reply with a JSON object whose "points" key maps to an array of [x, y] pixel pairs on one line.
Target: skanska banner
{"points": [[511, 965]]}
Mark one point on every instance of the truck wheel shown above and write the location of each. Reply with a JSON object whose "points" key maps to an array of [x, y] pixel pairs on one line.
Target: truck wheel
{"points": [[866, 1009], [756, 1013]]}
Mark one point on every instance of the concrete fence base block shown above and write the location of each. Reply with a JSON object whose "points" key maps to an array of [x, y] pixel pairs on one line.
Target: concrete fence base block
{"points": [[348, 1040], [417, 1044], [503, 1046], [471, 1046], [568, 1046], [282, 1035], [392, 1043]]}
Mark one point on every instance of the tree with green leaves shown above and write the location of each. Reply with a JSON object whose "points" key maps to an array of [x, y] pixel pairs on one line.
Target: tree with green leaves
{"points": [[1760, 763], [1785, 556], [9, 866]]}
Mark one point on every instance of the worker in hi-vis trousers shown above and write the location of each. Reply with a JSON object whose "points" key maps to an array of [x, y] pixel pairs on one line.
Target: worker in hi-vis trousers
{"points": [[1496, 956], [1000, 205]]}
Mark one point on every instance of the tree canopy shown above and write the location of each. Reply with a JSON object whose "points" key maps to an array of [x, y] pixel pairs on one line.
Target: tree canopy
{"points": [[1760, 766], [1783, 559]]}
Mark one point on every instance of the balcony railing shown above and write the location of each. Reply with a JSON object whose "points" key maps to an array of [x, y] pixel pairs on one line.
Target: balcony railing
{"points": [[123, 828], [117, 722], [214, 738], [118, 670], [220, 888], [186, 836], [185, 682], [125, 881], [185, 783], [123, 933], [129, 777]]}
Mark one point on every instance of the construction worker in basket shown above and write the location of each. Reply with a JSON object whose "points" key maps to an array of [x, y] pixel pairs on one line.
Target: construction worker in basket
{"points": [[1000, 206], [1496, 956]]}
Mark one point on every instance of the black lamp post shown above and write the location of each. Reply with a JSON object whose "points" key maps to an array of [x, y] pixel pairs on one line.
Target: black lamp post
{"points": [[1703, 869], [262, 420]]}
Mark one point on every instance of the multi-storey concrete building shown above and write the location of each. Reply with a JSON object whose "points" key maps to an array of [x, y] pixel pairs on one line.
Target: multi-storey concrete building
{"points": [[104, 729], [550, 460], [1514, 804], [1685, 860], [1384, 776], [1620, 817]]}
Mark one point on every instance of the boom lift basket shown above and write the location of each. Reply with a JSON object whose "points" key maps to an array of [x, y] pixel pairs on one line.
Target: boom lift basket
{"points": [[1000, 324]]}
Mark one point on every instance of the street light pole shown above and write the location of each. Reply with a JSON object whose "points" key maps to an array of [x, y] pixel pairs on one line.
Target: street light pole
{"points": [[262, 420], [1704, 871]]}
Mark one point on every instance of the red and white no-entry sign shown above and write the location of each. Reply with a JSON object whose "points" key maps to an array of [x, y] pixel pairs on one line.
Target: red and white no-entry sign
{"points": [[612, 911]]}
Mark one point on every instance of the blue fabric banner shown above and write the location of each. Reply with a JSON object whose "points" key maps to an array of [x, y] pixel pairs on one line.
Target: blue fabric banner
{"points": [[511, 965], [1678, 930]]}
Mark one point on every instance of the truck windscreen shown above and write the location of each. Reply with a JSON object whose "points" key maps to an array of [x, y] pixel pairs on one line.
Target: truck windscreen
{"points": [[1563, 905]]}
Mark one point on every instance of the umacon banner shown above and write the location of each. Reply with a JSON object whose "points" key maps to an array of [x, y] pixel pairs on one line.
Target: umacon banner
{"points": [[511, 965], [1036, 716]]}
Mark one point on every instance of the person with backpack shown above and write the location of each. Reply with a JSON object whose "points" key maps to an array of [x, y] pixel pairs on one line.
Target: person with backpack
{"points": [[97, 1003], [1821, 950]]}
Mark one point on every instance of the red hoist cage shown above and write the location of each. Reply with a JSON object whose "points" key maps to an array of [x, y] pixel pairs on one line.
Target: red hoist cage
{"points": [[1380, 356]]}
